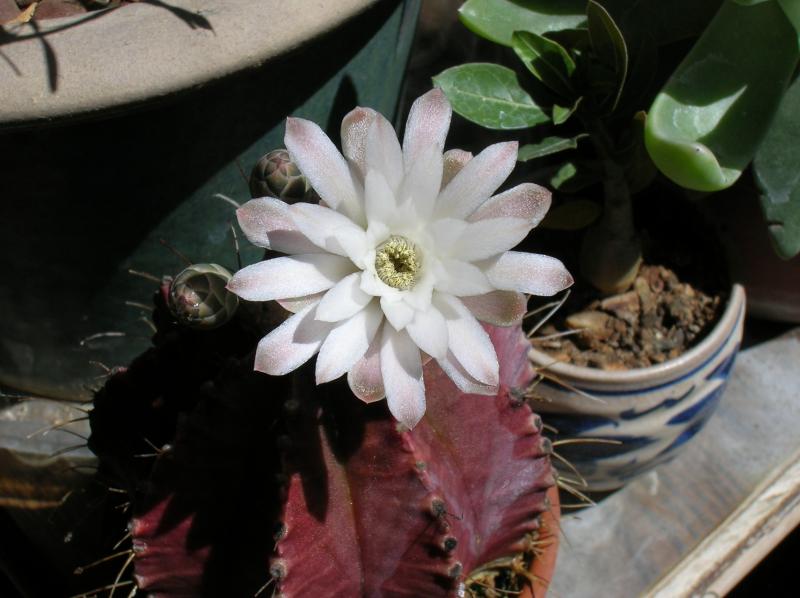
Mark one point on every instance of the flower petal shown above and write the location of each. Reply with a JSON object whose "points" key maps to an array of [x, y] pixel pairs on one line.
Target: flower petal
{"points": [[465, 383], [499, 308], [468, 341], [486, 238], [399, 313], [383, 152], [445, 233], [424, 180], [427, 124], [296, 304], [294, 276], [454, 161], [355, 126], [291, 344], [401, 369], [428, 330], [323, 165], [321, 225], [344, 300], [462, 279], [476, 182], [379, 198], [365, 378], [527, 201], [267, 222], [528, 273], [347, 343]]}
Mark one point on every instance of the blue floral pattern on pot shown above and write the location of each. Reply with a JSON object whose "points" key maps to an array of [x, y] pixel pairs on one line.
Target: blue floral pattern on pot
{"points": [[652, 412]]}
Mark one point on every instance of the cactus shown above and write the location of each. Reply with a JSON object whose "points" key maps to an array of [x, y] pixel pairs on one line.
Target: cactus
{"points": [[263, 480]]}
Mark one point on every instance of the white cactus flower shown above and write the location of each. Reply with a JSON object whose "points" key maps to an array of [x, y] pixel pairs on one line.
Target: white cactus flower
{"points": [[408, 252]]}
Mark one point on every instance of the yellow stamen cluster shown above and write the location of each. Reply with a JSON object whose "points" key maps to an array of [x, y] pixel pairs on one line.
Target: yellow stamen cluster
{"points": [[397, 263]]}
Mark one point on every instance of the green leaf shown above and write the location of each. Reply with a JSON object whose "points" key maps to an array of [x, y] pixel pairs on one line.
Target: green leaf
{"points": [[608, 44], [562, 113], [547, 60], [792, 10], [489, 95], [572, 215], [777, 173], [570, 177], [547, 146], [705, 125], [497, 20]]}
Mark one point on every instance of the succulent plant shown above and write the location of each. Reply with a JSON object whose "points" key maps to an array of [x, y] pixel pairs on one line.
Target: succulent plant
{"points": [[276, 175], [271, 480]]}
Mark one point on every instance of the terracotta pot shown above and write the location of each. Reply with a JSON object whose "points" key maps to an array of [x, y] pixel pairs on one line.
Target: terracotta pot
{"points": [[544, 566], [652, 412]]}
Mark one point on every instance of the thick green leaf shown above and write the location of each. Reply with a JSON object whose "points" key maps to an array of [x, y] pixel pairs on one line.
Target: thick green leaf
{"points": [[490, 95], [608, 44], [572, 215], [792, 10], [777, 173], [707, 122], [547, 60], [547, 146], [562, 113], [497, 20]]}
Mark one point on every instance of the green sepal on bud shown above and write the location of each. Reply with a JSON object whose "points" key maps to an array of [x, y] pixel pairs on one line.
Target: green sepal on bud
{"points": [[276, 175], [198, 297]]}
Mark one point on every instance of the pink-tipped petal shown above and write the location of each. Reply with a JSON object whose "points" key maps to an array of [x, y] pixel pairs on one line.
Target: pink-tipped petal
{"points": [[344, 300], [486, 238], [427, 125], [321, 225], [454, 161], [462, 279], [428, 330], [401, 369], [527, 201], [296, 304], [499, 308], [398, 312], [347, 343], [293, 276], [424, 180], [384, 153], [355, 126], [267, 222], [478, 180], [468, 341], [465, 383], [323, 165], [365, 378], [291, 344], [528, 273]]}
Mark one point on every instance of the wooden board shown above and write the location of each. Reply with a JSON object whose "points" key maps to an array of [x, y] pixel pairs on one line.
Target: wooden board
{"points": [[697, 525]]}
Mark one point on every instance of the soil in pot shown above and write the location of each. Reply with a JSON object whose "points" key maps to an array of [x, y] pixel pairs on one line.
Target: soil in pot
{"points": [[678, 296]]}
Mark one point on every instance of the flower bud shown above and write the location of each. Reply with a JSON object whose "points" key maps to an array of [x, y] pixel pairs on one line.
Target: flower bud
{"points": [[276, 175], [198, 297]]}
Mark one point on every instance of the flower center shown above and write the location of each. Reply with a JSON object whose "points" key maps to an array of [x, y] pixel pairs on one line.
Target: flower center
{"points": [[398, 263]]}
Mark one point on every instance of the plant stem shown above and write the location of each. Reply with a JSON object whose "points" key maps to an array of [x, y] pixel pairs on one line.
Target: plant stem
{"points": [[611, 252]]}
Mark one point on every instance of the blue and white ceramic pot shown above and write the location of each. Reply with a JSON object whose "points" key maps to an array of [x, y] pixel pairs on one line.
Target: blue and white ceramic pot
{"points": [[651, 411]]}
